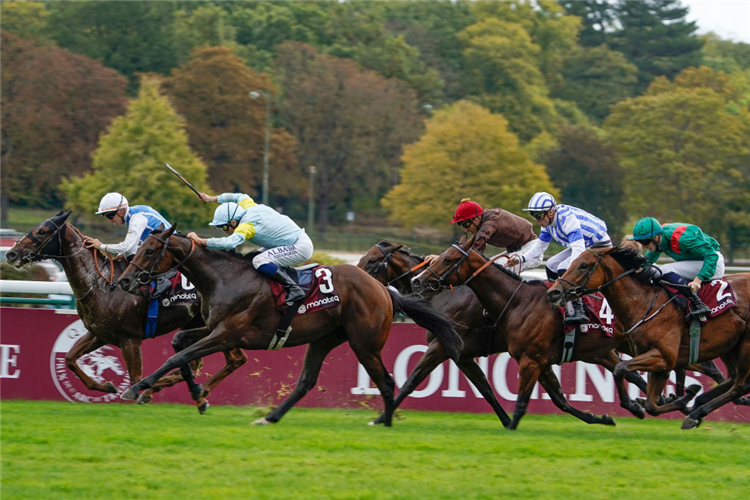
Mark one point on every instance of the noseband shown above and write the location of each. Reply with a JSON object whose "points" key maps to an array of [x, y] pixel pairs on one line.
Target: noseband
{"points": [[145, 276], [575, 290]]}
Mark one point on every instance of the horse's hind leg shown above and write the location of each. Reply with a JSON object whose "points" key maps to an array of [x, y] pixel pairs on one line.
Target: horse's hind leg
{"points": [[86, 344], [528, 374], [551, 384], [475, 374], [314, 357]]}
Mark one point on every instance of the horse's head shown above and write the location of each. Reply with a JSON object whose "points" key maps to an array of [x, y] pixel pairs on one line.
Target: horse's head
{"points": [[449, 268], [42, 242], [390, 264], [593, 271], [151, 259]]}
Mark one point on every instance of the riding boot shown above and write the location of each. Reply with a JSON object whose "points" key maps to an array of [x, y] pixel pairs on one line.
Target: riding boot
{"points": [[579, 313], [293, 290], [699, 308]]}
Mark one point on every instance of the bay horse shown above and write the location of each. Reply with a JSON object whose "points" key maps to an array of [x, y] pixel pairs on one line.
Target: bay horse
{"points": [[393, 265], [241, 313], [111, 317], [658, 331], [529, 325]]}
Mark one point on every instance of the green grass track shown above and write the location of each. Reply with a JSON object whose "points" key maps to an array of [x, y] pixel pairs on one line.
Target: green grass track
{"points": [[53, 450]]}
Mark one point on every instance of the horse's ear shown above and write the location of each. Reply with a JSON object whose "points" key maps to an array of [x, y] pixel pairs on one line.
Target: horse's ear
{"points": [[469, 243], [399, 247], [171, 230], [61, 216]]}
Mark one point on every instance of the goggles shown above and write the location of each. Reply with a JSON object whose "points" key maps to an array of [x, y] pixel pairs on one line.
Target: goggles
{"points": [[110, 215], [539, 215], [466, 224]]}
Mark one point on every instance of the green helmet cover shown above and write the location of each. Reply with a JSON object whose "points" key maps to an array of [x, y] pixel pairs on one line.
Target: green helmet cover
{"points": [[646, 229]]}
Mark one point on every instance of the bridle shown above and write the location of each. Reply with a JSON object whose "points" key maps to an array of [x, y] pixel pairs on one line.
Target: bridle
{"points": [[145, 276], [57, 230], [457, 268], [578, 290], [383, 266]]}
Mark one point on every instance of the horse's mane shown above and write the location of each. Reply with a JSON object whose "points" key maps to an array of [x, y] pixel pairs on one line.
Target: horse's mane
{"points": [[628, 257], [406, 251], [214, 252]]}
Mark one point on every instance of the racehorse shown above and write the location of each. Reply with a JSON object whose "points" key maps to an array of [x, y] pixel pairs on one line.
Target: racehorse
{"points": [[657, 328], [110, 316], [242, 313], [391, 264], [531, 328]]}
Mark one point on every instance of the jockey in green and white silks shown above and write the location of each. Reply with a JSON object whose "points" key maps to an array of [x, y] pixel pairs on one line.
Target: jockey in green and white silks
{"points": [[696, 254], [283, 243]]}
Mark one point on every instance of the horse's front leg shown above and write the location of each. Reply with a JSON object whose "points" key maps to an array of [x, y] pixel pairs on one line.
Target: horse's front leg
{"points": [[86, 344], [234, 359], [314, 357], [610, 361], [219, 340], [551, 384], [528, 374]]}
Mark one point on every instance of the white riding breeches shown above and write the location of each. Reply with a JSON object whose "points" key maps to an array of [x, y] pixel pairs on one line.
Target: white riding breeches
{"points": [[291, 255], [689, 269]]}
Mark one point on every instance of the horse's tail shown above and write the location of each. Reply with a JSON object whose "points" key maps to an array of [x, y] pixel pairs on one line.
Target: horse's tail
{"points": [[423, 314]]}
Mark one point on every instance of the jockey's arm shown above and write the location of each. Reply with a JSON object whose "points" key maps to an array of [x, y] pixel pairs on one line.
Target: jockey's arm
{"points": [[534, 251], [138, 223], [242, 233], [231, 197]]}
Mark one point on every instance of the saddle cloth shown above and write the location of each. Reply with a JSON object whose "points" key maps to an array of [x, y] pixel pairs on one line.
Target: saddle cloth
{"points": [[316, 281], [180, 292], [716, 294], [597, 308]]}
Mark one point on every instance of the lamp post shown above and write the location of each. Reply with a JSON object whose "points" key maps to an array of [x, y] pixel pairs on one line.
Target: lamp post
{"points": [[254, 95], [311, 202]]}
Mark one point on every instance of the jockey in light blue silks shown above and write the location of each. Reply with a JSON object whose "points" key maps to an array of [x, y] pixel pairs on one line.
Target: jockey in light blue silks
{"points": [[283, 243], [571, 227], [140, 219]]}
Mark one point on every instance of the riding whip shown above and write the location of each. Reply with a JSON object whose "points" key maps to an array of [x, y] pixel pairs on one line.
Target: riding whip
{"points": [[175, 172]]}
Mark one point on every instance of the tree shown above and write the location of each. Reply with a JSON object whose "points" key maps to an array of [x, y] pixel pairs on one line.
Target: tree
{"points": [[465, 152], [502, 69], [349, 123], [655, 36], [584, 167], [206, 25], [226, 127], [598, 19], [54, 106], [131, 158], [684, 155], [25, 19]]}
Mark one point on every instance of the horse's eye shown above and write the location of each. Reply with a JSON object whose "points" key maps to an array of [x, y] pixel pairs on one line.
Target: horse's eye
{"points": [[149, 251], [41, 232], [584, 266], [371, 261]]}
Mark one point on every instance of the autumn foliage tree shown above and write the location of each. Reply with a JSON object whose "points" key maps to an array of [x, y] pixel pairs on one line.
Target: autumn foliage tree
{"points": [[131, 158], [466, 152], [226, 127], [349, 123], [54, 106]]}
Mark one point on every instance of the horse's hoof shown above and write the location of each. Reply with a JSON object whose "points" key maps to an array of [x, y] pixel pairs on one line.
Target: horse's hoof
{"points": [[742, 401], [144, 399], [129, 394], [203, 407], [607, 420], [637, 410], [690, 423], [262, 421], [110, 388]]}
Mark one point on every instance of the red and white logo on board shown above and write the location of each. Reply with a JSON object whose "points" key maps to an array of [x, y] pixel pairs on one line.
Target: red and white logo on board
{"points": [[101, 365]]}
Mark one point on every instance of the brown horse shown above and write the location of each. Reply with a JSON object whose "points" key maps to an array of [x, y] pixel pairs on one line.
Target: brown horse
{"points": [[657, 328], [242, 313], [110, 317], [391, 264], [532, 329]]}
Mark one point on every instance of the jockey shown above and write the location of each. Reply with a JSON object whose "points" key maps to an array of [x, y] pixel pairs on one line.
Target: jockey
{"points": [[140, 219], [696, 255], [283, 243], [497, 227], [572, 228]]}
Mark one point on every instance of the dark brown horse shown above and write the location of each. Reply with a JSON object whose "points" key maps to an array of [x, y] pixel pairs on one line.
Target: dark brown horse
{"points": [[657, 328], [110, 316], [392, 264], [241, 313], [532, 329]]}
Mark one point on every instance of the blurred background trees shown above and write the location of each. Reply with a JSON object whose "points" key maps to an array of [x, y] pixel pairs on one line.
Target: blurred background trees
{"points": [[618, 107]]}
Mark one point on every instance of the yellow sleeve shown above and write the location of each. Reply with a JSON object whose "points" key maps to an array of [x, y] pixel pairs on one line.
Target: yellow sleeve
{"points": [[246, 230], [247, 203]]}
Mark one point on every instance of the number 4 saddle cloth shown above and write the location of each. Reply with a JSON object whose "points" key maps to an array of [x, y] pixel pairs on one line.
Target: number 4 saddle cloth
{"points": [[601, 317], [718, 295], [316, 281]]}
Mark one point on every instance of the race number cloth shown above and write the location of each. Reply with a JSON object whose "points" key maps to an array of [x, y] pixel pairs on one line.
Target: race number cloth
{"points": [[318, 286], [716, 294], [601, 317]]}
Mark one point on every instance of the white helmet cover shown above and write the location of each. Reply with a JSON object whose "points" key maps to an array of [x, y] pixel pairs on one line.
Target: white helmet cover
{"points": [[225, 213], [541, 202], [111, 202]]}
